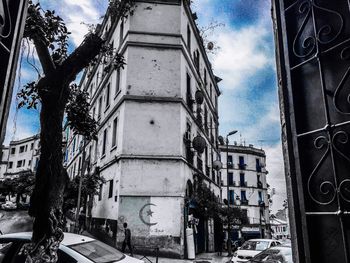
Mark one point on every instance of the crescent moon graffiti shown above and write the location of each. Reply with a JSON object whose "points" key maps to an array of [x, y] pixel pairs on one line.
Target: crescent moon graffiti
{"points": [[149, 213]]}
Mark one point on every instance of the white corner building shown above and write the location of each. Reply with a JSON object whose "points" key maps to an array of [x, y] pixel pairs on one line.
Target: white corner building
{"points": [[148, 117], [245, 179]]}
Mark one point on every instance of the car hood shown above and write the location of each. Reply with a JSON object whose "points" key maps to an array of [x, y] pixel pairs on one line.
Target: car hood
{"points": [[245, 253]]}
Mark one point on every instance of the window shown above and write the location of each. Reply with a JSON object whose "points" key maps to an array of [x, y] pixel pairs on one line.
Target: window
{"points": [[121, 32], [243, 196], [99, 107], [189, 100], [189, 38], [100, 193], [211, 90], [117, 84], [110, 193], [74, 142], [13, 150], [79, 164], [232, 196], [242, 179], [26, 148], [93, 112], [196, 59], [104, 142], [29, 162], [260, 197], [258, 166], [241, 162], [205, 78], [115, 132], [21, 149], [230, 161], [74, 169], [107, 95], [19, 163], [10, 165], [230, 179], [31, 146]]}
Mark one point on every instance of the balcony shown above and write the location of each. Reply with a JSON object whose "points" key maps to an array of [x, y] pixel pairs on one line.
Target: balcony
{"points": [[243, 184], [207, 170], [199, 164], [242, 166], [244, 202], [258, 168]]}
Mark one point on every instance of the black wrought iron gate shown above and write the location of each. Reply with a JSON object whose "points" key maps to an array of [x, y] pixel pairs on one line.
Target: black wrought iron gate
{"points": [[313, 62]]}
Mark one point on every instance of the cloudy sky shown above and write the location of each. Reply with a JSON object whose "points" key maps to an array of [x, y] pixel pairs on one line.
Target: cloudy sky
{"points": [[245, 61]]}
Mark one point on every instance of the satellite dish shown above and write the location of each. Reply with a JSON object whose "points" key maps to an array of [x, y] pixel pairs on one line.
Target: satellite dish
{"points": [[217, 165], [199, 97], [210, 46], [199, 144]]}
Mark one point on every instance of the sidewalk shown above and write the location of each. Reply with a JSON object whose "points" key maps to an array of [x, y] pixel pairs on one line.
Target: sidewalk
{"points": [[201, 258]]}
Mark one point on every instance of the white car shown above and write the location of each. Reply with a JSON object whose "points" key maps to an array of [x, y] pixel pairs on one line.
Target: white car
{"points": [[251, 248], [73, 249], [9, 206]]}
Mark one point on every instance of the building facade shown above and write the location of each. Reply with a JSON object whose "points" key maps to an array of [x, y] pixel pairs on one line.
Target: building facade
{"points": [[244, 175], [279, 228], [149, 113], [21, 155]]}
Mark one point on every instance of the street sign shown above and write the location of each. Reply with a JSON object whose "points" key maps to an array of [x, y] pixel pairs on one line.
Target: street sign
{"points": [[12, 20]]}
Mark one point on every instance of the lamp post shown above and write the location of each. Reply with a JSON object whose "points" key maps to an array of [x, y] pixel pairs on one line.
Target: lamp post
{"points": [[229, 247]]}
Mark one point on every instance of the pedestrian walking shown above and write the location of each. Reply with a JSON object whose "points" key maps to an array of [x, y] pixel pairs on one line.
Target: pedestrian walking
{"points": [[127, 239], [81, 220]]}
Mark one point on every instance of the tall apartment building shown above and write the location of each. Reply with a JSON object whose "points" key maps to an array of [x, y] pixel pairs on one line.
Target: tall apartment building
{"points": [[247, 184], [149, 114], [21, 155]]}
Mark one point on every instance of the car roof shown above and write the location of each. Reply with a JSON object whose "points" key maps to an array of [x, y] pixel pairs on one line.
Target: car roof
{"points": [[69, 238]]}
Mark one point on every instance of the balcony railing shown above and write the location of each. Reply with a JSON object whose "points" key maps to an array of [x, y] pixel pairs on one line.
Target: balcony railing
{"points": [[260, 184], [243, 184], [189, 154], [242, 166], [230, 165], [258, 168], [244, 202], [207, 170]]}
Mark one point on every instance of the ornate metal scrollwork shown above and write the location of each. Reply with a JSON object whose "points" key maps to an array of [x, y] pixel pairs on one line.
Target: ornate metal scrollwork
{"points": [[327, 188], [326, 33], [5, 23]]}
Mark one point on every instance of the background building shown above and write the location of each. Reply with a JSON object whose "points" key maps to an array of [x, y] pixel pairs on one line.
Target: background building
{"points": [[19, 156], [279, 228], [246, 180], [149, 114]]}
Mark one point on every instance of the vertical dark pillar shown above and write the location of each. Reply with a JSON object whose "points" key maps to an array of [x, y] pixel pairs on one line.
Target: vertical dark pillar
{"points": [[12, 20]]}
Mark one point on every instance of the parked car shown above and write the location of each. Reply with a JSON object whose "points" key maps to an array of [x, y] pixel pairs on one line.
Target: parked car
{"points": [[9, 206], [73, 249], [251, 248], [279, 254]]}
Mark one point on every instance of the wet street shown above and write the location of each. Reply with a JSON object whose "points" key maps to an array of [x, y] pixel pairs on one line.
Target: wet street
{"points": [[15, 221]]}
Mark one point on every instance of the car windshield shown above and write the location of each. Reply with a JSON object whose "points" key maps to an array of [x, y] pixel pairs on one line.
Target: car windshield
{"points": [[255, 245], [98, 252], [283, 255]]}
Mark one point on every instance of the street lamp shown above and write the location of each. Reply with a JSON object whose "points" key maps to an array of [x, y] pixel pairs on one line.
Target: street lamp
{"points": [[229, 248]]}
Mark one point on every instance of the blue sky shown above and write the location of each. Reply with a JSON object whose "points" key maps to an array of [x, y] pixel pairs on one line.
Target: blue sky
{"points": [[245, 61]]}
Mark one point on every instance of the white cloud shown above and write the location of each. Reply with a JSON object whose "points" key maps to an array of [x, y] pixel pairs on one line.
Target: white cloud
{"points": [[76, 12], [242, 54]]}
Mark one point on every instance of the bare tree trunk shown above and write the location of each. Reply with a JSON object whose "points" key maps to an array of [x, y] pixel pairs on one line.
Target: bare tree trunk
{"points": [[51, 179]]}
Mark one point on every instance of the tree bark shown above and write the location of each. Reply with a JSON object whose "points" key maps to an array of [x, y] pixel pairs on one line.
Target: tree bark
{"points": [[51, 180]]}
